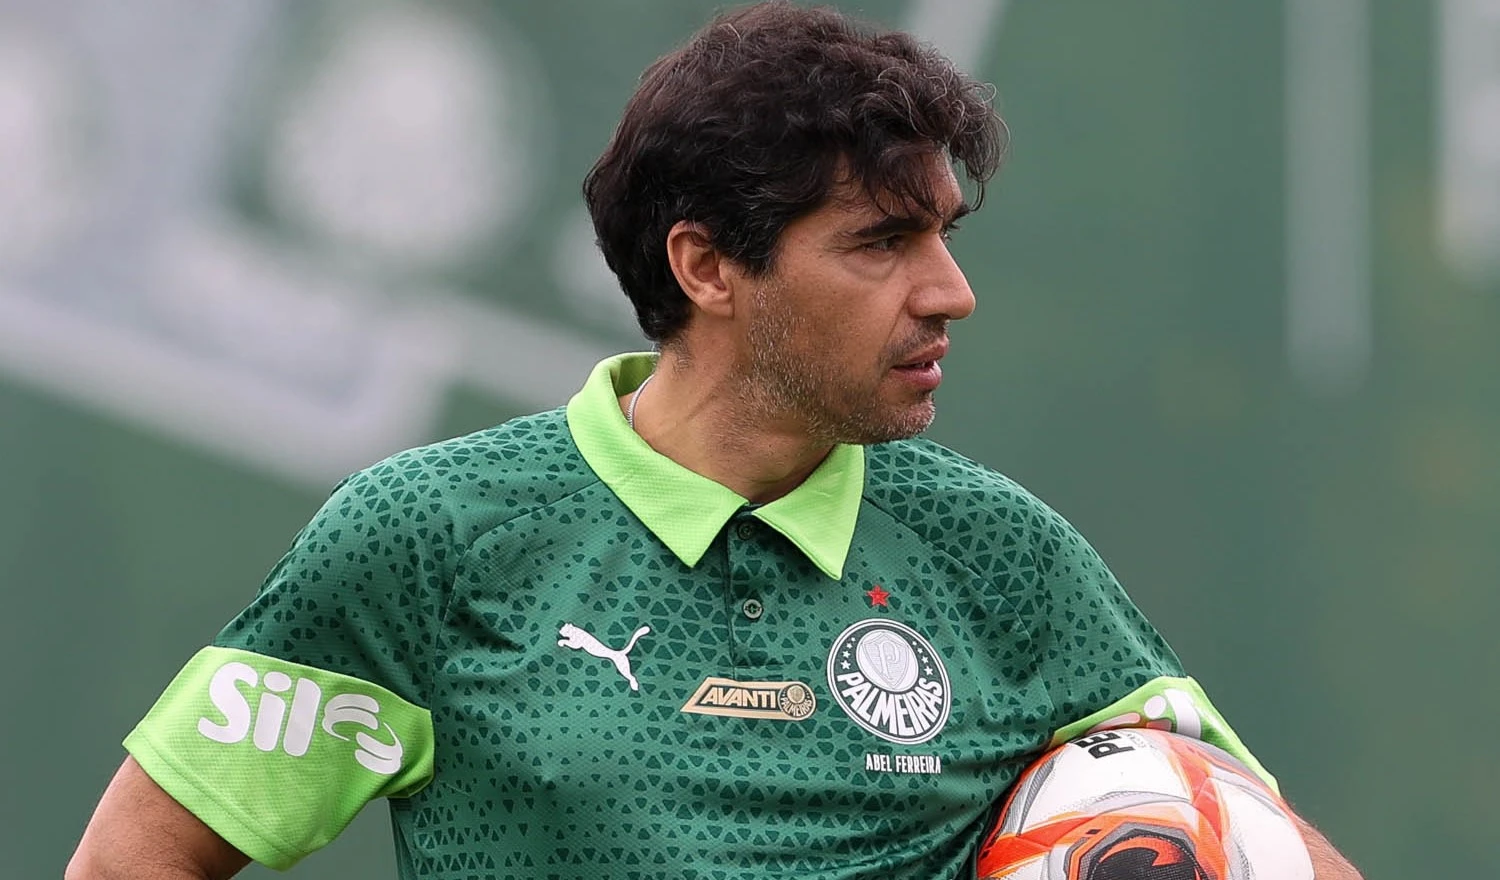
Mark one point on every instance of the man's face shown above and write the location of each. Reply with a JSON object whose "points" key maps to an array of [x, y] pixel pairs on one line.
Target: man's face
{"points": [[845, 331]]}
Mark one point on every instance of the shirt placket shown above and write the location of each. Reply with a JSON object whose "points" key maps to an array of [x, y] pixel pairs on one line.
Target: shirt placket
{"points": [[746, 594]]}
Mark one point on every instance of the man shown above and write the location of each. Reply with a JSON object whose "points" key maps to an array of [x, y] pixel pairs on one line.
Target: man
{"points": [[720, 616]]}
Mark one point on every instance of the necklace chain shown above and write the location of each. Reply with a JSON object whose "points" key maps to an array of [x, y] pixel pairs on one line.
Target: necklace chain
{"points": [[634, 397]]}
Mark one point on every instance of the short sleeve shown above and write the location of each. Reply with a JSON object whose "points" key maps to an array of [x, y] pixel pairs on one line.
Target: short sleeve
{"points": [[362, 590], [313, 700], [1105, 665], [1096, 645]]}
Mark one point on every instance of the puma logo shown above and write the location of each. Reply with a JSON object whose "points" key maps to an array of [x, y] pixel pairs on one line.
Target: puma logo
{"points": [[579, 640]]}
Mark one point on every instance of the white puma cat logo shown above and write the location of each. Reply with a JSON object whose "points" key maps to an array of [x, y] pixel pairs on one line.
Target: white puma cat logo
{"points": [[573, 637]]}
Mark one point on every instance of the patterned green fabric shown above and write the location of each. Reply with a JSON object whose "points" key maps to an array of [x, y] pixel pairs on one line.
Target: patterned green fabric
{"points": [[600, 707]]}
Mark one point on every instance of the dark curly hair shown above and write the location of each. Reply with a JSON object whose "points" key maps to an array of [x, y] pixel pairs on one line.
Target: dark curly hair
{"points": [[752, 124]]}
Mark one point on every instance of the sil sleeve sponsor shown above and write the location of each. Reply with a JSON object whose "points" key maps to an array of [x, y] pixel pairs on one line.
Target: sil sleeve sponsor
{"points": [[278, 757]]}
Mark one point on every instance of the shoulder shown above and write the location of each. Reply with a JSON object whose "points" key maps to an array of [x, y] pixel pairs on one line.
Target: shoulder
{"points": [[519, 445], [923, 478], [477, 479], [953, 501]]}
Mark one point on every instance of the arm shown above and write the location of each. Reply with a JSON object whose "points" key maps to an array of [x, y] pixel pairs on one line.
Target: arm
{"points": [[1328, 864], [200, 796], [139, 831], [1103, 604]]}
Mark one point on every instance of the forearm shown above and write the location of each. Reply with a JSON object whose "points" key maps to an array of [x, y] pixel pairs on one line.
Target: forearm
{"points": [[1328, 863]]}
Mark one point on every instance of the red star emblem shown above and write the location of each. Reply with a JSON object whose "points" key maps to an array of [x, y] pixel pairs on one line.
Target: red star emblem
{"points": [[878, 597]]}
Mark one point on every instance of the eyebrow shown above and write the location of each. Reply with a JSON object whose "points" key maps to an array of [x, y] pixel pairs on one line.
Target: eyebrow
{"points": [[900, 224]]}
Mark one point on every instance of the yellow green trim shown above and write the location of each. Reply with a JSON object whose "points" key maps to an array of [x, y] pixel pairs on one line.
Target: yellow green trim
{"points": [[1175, 704]]}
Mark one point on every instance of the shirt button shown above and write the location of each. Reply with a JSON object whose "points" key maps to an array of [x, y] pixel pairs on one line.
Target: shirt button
{"points": [[746, 530], [753, 609]]}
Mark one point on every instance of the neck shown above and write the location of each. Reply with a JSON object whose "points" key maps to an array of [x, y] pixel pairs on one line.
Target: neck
{"points": [[700, 417]]}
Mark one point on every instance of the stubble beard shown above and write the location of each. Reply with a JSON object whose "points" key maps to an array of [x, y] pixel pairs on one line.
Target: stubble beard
{"points": [[786, 378]]}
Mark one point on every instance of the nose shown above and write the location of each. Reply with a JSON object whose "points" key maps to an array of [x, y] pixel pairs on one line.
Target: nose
{"points": [[941, 290]]}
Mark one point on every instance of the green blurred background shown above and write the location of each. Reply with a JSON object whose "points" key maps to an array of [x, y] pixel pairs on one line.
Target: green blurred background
{"points": [[1239, 303]]}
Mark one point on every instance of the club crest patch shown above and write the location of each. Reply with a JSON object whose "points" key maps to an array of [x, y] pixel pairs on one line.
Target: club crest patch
{"points": [[890, 681]]}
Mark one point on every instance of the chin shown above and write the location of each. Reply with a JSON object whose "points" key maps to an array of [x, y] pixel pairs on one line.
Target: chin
{"points": [[886, 427]]}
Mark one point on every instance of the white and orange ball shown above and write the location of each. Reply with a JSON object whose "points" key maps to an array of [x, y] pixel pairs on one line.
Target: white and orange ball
{"points": [[1142, 804]]}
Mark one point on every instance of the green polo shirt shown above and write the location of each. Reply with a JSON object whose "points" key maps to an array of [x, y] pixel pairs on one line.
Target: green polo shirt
{"points": [[560, 654]]}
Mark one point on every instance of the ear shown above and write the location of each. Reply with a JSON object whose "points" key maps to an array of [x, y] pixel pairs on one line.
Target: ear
{"points": [[704, 274]]}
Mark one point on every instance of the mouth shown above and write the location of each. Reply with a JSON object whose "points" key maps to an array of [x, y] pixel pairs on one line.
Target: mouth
{"points": [[921, 368], [926, 358]]}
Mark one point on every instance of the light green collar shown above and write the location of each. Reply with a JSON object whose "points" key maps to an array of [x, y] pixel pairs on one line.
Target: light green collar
{"points": [[686, 510]]}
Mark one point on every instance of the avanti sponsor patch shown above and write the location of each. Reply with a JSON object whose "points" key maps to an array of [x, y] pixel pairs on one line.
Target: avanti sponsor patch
{"points": [[776, 700], [890, 681]]}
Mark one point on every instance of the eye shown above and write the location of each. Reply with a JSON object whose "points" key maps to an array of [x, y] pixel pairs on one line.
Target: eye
{"points": [[949, 230], [886, 245]]}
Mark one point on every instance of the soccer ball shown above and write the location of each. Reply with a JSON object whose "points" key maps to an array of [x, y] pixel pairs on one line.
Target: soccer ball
{"points": [[1142, 804]]}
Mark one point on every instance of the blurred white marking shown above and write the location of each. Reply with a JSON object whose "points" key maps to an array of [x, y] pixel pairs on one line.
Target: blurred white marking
{"points": [[409, 142], [41, 186], [961, 29], [1329, 322], [1468, 135], [286, 366], [159, 309]]}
